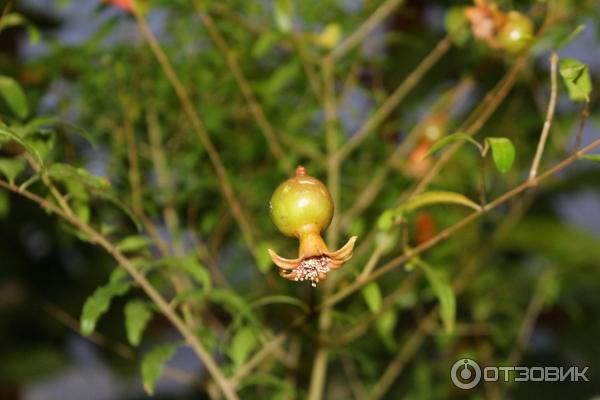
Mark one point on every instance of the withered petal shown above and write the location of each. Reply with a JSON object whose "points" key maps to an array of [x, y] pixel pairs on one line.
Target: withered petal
{"points": [[284, 263], [344, 254]]}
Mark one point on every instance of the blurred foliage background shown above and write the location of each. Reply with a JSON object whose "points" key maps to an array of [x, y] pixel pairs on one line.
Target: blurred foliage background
{"points": [[101, 114]]}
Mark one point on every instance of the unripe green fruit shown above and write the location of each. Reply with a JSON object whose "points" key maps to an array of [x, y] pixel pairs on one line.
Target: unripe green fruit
{"points": [[516, 33], [301, 205]]}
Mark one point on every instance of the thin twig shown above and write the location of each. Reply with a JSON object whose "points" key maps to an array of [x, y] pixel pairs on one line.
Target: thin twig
{"points": [[532, 312], [396, 97], [382, 12], [373, 259], [408, 350], [309, 70], [549, 118], [356, 386], [585, 114]]}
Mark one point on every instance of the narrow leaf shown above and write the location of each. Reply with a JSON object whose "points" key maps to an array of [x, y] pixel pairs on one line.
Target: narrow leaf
{"points": [[99, 302], [279, 299], [455, 23], [14, 96], [64, 172], [385, 325], [234, 304], [137, 315], [134, 243], [443, 142], [282, 10], [153, 365], [8, 134], [12, 167], [15, 19], [242, 345], [503, 153], [443, 291], [262, 257], [593, 157], [197, 271], [438, 197], [572, 35], [372, 295]]}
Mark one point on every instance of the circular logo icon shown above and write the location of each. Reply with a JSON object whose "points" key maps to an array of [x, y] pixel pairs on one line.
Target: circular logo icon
{"points": [[465, 373]]}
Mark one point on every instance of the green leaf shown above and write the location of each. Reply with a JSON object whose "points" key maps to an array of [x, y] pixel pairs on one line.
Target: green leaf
{"points": [[99, 302], [455, 24], [572, 35], [387, 219], [197, 271], [284, 390], [385, 325], [443, 142], [137, 315], [593, 157], [153, 365], [15, 19], [443, 290], [438, 197], [263, 258], [503, 153], [279, 299], [9, 134], [66, 172], [14, 96], [576, 76], [235, 305], [12, 167], [280, 78], [112, 198], [282, 11], [544, 239], [134, 243], [392, 217], [264, 44], [372, 296], [242, 345]]}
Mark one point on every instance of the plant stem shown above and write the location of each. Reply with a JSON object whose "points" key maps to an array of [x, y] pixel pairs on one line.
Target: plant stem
{"points": [[382, 12], [549, 117]]}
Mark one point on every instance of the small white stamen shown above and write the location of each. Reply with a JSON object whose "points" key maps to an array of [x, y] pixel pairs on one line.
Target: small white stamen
{"points": [[311, 268]]}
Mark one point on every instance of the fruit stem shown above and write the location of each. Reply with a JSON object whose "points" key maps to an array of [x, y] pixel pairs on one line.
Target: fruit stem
{"points": [[300, 170]]}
